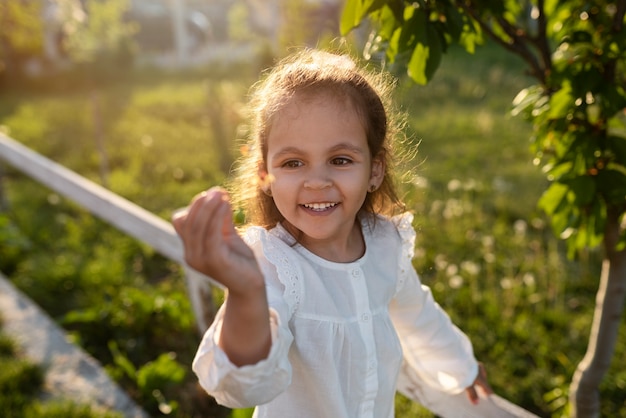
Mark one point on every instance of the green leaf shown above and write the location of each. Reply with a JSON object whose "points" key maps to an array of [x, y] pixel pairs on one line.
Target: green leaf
{"points": [[561, 102], [355, 11], [164, 371], [122, 361], [526, 100], [612, 185], [559, 170], [618, 145], [597, 222], [455, 21], [436, 51], [387, 23], [417, 64], [583, 188], [564, 221], [552, 198], [349, 16], [242, 413], [422, 37], [413, 30]]}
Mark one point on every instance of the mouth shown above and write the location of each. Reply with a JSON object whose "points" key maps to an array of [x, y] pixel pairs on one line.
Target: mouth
{"points": [[319, 207]]}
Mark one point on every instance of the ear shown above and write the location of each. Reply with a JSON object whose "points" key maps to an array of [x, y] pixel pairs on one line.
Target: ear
{"points": [[378, 171]]}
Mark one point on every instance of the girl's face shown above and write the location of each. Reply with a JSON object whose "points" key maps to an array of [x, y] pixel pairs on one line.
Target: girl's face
{"points": [[318, 156]]}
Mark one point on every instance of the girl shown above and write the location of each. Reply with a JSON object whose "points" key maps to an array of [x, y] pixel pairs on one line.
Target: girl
{"points": [[323, 303]]}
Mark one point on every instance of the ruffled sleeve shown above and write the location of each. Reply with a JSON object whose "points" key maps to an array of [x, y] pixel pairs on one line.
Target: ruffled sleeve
{"points": [[435, 351], [252, 385]]}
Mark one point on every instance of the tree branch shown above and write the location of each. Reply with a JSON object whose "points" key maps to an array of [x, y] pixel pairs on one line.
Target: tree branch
{"points": [[541, 39], [517, 44]]}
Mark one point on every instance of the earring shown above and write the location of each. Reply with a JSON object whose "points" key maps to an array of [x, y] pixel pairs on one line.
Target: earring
{"points": [[372, 188], [268, 191]]}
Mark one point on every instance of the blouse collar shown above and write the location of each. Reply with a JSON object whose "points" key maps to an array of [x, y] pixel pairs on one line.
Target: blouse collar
{"points": [[281, 233]]}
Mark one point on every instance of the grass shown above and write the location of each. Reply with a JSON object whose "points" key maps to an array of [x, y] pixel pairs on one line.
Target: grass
{"points": [[482, 246]]}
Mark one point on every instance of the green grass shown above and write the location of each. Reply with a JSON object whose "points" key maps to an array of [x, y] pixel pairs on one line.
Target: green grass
{"points": [[486, 252]]}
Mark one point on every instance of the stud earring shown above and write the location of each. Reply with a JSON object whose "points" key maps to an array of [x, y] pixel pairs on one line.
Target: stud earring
{"points": [[372, 188], [268, 191]]}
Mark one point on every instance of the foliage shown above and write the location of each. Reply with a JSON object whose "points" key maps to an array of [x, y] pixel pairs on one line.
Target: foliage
{"points": [[152, 379], [580, 126], [14, 244], [65, 409], [19, 383], [576, 109]]}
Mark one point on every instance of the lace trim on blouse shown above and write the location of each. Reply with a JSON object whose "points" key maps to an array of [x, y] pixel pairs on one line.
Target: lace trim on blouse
{"points": [[407, 233], [274, 249]]}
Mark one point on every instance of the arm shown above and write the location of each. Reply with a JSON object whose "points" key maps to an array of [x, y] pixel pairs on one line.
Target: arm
{"points": [[435, 349], [213, 247]]}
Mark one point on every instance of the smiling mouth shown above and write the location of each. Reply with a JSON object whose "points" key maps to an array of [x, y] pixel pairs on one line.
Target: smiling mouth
{"points": [[320, 207]]}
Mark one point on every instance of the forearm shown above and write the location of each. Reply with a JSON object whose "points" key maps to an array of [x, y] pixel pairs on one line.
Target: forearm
{"points": [[245, 335]]}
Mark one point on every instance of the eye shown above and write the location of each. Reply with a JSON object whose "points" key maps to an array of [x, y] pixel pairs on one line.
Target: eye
{"points": [[341, 161], [291, 164]]}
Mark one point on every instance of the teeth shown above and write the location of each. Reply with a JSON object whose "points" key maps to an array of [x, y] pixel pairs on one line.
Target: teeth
{"points": [[319, 206]]}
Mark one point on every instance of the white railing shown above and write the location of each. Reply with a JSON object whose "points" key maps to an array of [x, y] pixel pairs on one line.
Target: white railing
{"points": [[159, 234], [119, 212]]}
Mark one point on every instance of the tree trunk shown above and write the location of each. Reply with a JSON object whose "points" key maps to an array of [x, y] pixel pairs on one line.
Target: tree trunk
{"points": [[584, 390]]}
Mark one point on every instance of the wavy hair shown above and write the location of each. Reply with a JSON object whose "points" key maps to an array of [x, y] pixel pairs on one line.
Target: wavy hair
{"points": [[312, 72]]}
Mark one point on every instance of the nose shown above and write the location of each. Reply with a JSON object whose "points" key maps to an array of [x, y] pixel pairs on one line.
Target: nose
{"points": [[318, 178]]}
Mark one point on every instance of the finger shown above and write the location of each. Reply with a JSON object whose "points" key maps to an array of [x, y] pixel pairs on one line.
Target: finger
{"points": [[485, 386], [482, 381], [178, 218], [197, 231], [213, 233], [226, 218], [204, 224], [472, 395], [202, 203]]}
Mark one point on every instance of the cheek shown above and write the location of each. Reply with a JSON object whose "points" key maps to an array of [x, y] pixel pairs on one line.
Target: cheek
{"points": [[283, 185]]}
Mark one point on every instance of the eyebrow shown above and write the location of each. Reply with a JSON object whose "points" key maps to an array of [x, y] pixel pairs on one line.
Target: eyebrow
{"points": [[342, 146]]}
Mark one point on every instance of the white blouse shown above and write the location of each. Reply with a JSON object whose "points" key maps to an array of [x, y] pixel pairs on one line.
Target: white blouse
{"points": [[340, 331]]}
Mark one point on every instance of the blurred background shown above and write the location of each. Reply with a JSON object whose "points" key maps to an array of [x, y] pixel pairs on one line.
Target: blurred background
{"points": [[147, 98]]}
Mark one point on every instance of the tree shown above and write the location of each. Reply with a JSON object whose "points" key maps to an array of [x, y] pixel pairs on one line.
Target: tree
{"points": [[576, 52]]}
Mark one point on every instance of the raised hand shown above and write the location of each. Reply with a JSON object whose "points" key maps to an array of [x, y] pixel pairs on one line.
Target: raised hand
{"points": [[212, 244], [213, 247]]}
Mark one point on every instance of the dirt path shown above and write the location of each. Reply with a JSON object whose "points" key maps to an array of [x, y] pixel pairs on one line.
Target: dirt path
{"points": [[71, 373]]}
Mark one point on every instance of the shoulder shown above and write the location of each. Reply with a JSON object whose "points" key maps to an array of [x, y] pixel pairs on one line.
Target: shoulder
{"points": [[380, 225], [256, 235], [274, 245], [396, 230], [278, 260]]}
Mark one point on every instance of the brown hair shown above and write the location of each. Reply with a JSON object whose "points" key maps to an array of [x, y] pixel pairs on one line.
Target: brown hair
{"points": [[312, 72]]}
